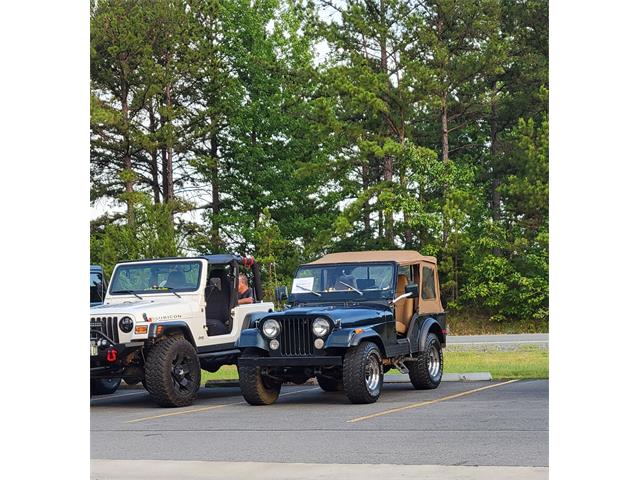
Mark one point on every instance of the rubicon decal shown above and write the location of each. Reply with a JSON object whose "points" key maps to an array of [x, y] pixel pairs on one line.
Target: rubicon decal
{"points": [[167, 317]]}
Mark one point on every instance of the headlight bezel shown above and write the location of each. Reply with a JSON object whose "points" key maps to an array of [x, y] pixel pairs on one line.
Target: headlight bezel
{"points": [[129, 324], [271, 322], [321, 333]]}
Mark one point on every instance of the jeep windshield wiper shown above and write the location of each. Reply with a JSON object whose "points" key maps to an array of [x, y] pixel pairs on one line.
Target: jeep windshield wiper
{"points": [[309, 290], [130, 292], [351, 287], [172, 290]]}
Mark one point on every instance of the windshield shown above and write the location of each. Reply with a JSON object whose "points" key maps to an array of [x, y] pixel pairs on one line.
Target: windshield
{"points": [[349, 280], [96, 287], [156, 277]]}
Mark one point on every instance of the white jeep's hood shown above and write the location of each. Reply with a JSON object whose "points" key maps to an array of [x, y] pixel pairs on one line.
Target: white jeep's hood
{"points": [[156, 309]]}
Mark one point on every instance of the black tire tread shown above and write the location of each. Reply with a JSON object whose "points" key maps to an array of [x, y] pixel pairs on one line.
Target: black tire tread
{"points": [[98, 387], [329, 384], [157, 375], [353, 373], [419, 371], [253, 388]]}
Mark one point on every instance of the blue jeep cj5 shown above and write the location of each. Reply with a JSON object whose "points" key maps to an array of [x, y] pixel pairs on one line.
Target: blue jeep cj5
{"points": [[350, 318]]}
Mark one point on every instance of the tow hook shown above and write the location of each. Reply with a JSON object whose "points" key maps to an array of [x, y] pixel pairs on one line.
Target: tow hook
{"points": [[112, 355]]}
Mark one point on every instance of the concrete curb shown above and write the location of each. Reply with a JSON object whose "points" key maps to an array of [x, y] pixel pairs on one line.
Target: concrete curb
{"points": [[402, 378], [200, 470]]}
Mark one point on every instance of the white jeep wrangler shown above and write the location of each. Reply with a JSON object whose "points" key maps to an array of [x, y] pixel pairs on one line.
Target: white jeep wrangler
{"points": [[163, 320]]}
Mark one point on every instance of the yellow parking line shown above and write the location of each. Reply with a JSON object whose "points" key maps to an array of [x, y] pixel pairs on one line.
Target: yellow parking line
{"points": [[211, 407], [193, 410], [428, 402]]}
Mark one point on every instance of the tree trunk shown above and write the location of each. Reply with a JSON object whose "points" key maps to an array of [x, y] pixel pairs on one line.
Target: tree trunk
{"points": [[408, 233], [127, 161], [155, 180], [167, 154], [444, 120], [388, 159], [495, 183], [366, 210], [388, 221], [495, 193], [216, 241], [445, 159]]}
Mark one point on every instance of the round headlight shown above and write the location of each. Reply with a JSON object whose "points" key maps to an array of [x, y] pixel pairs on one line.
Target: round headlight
{"points": [[271, 328], [126, 324], [321, 327]]}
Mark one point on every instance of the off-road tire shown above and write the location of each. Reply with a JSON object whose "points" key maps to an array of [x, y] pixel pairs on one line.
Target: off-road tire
{"points": [[161, 373], [421, 375], [330, 384], [104, 386], [255, 389], [354, 375]]}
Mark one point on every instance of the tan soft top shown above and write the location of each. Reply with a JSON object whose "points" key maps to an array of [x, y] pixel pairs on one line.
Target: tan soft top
{"points": [[402, 257]]}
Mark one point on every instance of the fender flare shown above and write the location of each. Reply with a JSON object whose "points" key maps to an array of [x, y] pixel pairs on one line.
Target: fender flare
{"points": [[347, 337], [169, 327], [251, 338], [251, 318], [430, 324]]}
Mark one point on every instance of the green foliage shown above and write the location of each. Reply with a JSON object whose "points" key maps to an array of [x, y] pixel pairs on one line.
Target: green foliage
{"points": [[422, 125], [152, 236]]}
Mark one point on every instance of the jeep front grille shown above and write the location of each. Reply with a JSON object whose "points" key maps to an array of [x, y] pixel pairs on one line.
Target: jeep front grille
{"points": [[106, 325], [296, 338]]}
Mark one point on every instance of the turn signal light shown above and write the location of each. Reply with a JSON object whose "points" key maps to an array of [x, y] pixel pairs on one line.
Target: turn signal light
{"points": [[141, 328], [358, 330]]}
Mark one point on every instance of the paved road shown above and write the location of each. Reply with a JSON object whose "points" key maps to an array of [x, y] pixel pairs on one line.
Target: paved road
{"points": [[538, 339], [460, 423]]}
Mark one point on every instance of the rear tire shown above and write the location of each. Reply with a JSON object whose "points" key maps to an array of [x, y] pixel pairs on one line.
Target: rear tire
{"points": [[172, 372], [425, 372], [104, 386], [330, 384], [363, 375], [256, 389]]}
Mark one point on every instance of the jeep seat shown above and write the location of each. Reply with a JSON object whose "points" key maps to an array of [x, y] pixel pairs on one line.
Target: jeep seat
{"points": [[218, 309], [404, 307]]}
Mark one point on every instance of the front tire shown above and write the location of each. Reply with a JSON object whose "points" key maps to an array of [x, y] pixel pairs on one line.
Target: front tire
{"points": [[255, 388], [363, 374], [104, 386], [425, 372], [172, 372]]}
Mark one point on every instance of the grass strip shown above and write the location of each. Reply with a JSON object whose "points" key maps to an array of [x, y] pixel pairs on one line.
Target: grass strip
{"points": [[525, 362]]}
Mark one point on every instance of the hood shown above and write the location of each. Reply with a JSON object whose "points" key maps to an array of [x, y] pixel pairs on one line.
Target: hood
{"points": [[156, 309], [346, 314]]}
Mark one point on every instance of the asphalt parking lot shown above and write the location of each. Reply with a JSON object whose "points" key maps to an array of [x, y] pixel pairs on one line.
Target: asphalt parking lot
{"points": [[461, 423]]}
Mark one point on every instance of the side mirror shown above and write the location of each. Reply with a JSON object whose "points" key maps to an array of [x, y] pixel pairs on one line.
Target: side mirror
{"points": [[412, 290], [282, 293]]}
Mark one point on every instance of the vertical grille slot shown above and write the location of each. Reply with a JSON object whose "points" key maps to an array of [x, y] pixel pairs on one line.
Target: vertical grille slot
{"points": [[107, 326], [296, 338]]}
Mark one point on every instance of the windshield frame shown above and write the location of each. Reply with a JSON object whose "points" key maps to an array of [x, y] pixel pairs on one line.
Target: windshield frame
{"points": [[341, 296], [160, 291]]}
